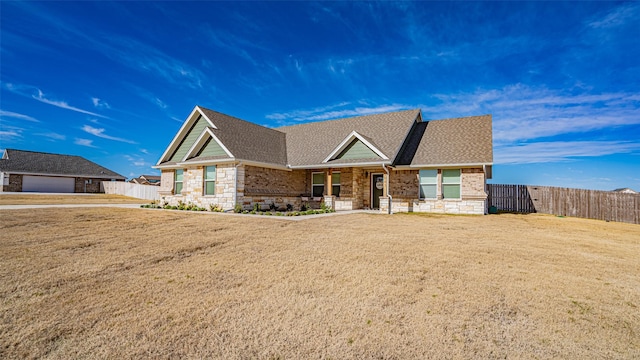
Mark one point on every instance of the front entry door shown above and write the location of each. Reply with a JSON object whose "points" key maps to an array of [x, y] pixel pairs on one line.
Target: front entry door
{"points": [[377, 187]]}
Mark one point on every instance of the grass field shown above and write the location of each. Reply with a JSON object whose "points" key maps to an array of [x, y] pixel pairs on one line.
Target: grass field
{"points": [[134, 283], [37, 199]]}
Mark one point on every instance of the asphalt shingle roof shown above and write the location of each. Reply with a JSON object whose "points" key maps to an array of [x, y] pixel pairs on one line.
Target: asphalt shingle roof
{"points": [[466, 140], [309, 144], [249, 141], [21, 161], [402, 136]]}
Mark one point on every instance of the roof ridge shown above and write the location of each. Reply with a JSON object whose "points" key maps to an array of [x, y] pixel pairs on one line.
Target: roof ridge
{"points": [[238, 119], [349, 118], [41, 152], [459, 117]]}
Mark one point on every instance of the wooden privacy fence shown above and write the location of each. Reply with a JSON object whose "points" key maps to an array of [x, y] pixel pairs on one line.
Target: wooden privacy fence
{"points": [[147, 192], [590, 204]]}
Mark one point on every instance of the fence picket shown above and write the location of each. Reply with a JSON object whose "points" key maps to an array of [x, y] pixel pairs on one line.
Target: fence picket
{"points": [[590, 204]]}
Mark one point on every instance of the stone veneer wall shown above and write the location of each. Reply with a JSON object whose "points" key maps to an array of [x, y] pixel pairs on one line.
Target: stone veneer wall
{"points": [[94, 187], [193, 187], [404, 182], [15, 184]]}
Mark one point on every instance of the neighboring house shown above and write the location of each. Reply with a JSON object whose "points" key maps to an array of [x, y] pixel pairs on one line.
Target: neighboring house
{"points": [[625, 191], [43, 172], [147, 180], [362, 162]]}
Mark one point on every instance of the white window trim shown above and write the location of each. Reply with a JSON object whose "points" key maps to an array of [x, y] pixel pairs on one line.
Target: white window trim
{"points": [[324, 183], [205, 181], [175, 182], [338, 184], [459, 183], [420, 185]]}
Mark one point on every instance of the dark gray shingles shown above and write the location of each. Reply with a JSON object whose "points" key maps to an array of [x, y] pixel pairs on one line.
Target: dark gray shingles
{"points": [[21, 161], [249, 141], [466, 140], [309, 144]]}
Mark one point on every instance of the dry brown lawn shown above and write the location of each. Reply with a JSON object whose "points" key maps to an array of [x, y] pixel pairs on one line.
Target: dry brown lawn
{"points": [[37, 199], [135, 283]]}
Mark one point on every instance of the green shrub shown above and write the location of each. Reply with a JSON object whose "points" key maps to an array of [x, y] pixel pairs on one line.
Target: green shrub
{"points": [[237, 209]]}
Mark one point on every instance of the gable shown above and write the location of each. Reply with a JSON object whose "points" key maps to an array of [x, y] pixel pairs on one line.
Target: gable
{"points": [[356, 147], [189, 140], [211, 148], [357, 150], [206, 145]]}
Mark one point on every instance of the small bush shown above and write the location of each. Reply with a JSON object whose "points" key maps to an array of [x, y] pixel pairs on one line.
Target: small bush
{"points": [[215, 208], [237, 209]]}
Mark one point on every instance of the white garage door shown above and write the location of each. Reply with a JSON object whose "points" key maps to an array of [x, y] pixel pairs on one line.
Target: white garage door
{"points": [[48, 184]]}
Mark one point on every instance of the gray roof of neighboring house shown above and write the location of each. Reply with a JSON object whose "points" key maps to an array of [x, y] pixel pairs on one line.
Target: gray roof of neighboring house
{"points": [[309, 144], [248, 141], [32, 162]]}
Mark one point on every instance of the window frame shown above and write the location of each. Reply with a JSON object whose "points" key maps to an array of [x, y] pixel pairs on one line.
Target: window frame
{"points": [[313, 185], [434, 183], [205, 180], [176, 182], [334, 184], [457, 184]]}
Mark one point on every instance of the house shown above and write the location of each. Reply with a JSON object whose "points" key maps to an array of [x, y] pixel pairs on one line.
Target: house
{"points": [[33, 171], [393, 162], [146, 180], [625, 191]]}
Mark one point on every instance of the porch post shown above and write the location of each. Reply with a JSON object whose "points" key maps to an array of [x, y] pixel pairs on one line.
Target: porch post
{"points": [[329, 199]]}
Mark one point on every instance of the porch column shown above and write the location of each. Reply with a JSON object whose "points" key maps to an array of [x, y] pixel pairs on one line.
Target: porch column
{"points": [[329, 199]]}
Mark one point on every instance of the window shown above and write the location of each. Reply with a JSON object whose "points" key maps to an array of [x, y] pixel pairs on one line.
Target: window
{"points": [[428, 184], [178, 182], [209, 180], [335, 184], [317, 184], [451, 184]]}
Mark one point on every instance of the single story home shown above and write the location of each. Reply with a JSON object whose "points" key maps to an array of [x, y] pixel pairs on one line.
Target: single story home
{"points": [[33, 171], [395, 161], [153, 180]]}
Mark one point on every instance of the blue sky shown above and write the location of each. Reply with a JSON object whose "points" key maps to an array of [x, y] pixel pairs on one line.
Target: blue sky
{"points": [[113, 81]]}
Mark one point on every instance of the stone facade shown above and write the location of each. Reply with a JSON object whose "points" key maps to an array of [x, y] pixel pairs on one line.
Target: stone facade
{"points": [[88, 185], [405, 193], [279, 188], [11, 183], [193, 187]]}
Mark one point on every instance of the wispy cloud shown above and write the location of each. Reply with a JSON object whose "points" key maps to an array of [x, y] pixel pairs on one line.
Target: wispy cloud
{"points": [[335, 111], [37, 94], [9, 135], [558, 151], [10, 114], [136, 161], [618, 16], [126, 51], [99, 132], [100, 104], [146, 58], [84, 142], [52, 136], [523, 113]]}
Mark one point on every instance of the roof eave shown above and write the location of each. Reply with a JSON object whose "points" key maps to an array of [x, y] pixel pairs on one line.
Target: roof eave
{"points": [[342, 165]]}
